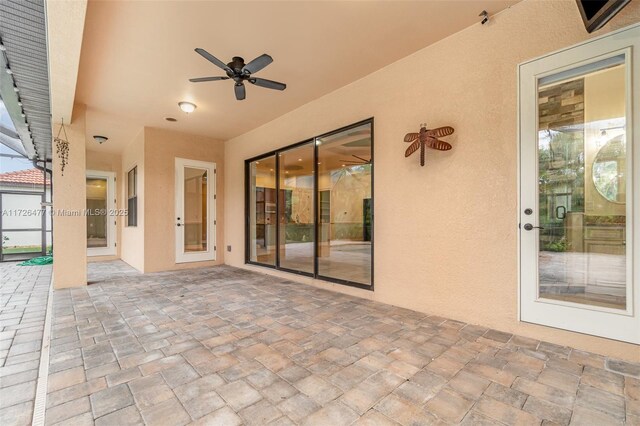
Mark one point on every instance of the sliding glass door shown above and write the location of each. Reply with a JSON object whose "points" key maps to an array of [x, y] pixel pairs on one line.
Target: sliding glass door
{"points": [[309, 207], [295, 208], [261, 244], [344, 179]]}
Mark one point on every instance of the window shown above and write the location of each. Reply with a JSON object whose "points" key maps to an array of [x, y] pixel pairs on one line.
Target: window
{"points": [[309, 207], [132, 197]]}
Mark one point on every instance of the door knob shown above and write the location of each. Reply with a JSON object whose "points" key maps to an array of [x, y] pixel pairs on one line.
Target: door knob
{"points": [[529, 227]]}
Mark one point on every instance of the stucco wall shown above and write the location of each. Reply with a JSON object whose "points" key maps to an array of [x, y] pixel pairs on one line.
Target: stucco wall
{"points": [[132, 237], [161, 147], [107, 162], [69, 194], [446, 234]]}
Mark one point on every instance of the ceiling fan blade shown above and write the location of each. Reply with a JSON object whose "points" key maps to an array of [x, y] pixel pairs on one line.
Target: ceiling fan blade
{"points": [[240, 91], [257, 64], [269, 84], [209, 57], [360, 158], [201, 79]]}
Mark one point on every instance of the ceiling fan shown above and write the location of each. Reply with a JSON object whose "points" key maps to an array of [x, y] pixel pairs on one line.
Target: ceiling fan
{"points": [[240, 72], [359, 160]]}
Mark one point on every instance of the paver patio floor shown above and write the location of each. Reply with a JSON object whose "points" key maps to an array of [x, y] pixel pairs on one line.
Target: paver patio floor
{"points": [[24, 292], [228, 346]]}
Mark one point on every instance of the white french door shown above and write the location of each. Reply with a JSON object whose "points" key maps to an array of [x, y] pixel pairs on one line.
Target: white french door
{"points": [[579, 188], [195, 210], [100, 213]]}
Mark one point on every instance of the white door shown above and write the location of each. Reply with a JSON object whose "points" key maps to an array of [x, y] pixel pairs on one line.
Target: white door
{"points": [[579, 188], [100, 213], [195, 215]]}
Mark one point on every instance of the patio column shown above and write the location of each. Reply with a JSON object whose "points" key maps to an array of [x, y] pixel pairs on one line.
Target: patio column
{"points": [[69, 203]]}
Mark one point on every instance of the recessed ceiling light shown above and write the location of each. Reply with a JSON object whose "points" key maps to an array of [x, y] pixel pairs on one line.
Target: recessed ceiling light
{"points": [[257, 162], [299, 159], [344, 165], [171, 119], [187, 107], [100, 139], [270, 170]]}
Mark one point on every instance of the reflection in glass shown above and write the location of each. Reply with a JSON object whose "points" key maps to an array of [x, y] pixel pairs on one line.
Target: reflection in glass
{"points": [[97, 212], [582, 180], [296, 208], [608, 170], [344, 205], [262, 211], [195, 209]]}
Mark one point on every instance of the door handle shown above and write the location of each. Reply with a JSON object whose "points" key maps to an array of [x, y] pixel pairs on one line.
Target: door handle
{"points": [[529, 227]]}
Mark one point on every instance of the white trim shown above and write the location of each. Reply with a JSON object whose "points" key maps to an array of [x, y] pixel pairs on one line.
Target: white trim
{"points": [[615, 324], [210, 254], [110, 250], [40, 402]]}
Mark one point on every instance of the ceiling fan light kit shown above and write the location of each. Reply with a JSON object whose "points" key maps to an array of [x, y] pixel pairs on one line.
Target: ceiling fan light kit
{"points": [[187, 107], [240, 72], [427, 138]]}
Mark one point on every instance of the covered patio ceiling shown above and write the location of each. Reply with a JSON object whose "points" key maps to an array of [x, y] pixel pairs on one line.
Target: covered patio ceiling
{"points": [[137, 57]]}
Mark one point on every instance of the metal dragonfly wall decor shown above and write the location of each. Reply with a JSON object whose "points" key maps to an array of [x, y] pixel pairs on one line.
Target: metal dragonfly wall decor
{"points": [[427, 138]]}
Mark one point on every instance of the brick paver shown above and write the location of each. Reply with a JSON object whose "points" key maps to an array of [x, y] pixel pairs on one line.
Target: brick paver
{"points": [[228, 346], [24, 292]]}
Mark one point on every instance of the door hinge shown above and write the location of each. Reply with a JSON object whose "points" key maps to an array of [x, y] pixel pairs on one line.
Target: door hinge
{"points": [[215, 248], [215, 197], [215, 222]]}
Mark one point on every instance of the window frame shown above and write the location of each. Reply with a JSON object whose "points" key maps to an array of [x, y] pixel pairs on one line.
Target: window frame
{"points": [[129, 223], [247, 198]]}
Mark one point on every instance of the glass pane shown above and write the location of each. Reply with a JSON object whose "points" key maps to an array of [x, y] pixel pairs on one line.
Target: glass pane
{"points": [[344, 204], [582, 176], [262, 211], [131, 182], [97, 212], [296, 208], [195, 209], [22, 211], [21, 245]]}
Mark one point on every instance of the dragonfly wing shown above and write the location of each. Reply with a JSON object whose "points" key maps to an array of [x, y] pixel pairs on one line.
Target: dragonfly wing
{"points": [[440, 131], [438, 144], [410, 137], [412, 148]]}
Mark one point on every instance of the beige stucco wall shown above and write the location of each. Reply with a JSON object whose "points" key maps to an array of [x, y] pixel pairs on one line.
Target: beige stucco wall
{"points": [[108, 162], [132, 237], [446, 234], [69, 194], [161, 147]]}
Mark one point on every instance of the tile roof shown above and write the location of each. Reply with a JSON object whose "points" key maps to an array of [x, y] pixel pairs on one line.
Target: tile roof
{"points": [[29, 176]]}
